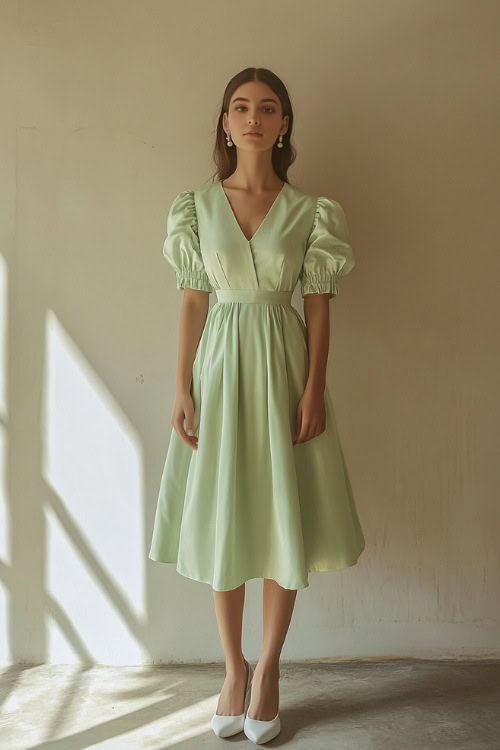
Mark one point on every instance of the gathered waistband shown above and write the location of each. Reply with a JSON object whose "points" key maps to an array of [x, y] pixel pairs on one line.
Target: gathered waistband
{"points": [[254, 295]]}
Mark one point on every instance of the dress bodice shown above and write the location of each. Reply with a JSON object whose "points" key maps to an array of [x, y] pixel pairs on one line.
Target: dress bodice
{"points": [[302, 238]]}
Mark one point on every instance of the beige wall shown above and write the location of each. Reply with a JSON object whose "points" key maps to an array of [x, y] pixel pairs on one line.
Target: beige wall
{"points": [[108, 111]]}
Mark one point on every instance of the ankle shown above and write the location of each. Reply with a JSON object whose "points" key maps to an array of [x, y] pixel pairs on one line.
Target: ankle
{"points": [[269, 664], [236, 667]]}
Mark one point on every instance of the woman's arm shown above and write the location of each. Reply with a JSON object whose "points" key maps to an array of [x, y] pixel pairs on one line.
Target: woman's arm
{"points": [[192, 320], [311, 415], [317, 316]]}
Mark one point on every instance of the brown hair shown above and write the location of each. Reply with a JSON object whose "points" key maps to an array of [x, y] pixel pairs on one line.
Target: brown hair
{"points": [[224, 157]]}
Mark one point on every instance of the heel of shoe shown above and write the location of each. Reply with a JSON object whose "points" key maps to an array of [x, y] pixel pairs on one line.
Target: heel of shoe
{"points": [[226, 726], [249, 686]]}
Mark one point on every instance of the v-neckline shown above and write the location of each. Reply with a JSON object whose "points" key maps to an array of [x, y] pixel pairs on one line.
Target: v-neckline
{"points": [[248, 241]]}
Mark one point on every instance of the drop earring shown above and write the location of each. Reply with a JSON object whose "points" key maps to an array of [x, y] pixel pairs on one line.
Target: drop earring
{"points": [[280, 144], [228, 139]]}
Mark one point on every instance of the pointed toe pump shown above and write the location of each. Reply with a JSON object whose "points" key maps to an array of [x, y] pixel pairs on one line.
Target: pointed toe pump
{"points": [[226, 726], [262, 731]]}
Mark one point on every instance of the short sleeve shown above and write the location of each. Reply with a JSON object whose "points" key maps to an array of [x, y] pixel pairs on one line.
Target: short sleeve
{"points": [[182, 245], [328, 252]]}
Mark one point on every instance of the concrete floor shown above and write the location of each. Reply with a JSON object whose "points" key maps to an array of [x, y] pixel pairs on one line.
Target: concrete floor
{"points": [[400, 704]]}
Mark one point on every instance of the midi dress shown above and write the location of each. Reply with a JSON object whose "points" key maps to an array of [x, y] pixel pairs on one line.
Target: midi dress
{"points": [[248, 502]]}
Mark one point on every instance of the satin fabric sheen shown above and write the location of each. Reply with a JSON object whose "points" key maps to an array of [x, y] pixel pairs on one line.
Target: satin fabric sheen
{"points": [[248, 503]]}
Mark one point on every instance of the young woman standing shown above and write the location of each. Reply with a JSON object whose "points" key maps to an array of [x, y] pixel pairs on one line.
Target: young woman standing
{"points": [[255, 484]]}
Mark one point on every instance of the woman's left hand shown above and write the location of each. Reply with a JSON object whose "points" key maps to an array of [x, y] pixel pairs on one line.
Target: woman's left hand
{"points": [[311, 415]]}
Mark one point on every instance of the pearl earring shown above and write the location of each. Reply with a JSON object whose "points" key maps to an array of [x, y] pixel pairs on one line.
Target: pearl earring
{"points": [[280, 144], [228, 139]]}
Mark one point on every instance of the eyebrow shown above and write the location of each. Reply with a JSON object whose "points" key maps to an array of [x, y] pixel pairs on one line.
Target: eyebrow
{"points": [[242, 99]]}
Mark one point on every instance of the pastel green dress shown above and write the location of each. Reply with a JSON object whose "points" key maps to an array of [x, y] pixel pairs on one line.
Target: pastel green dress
{"points": [[248, 503]]}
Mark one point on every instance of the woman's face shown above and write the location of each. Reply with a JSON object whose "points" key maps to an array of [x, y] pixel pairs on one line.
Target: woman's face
{"points": [[254, 107]]}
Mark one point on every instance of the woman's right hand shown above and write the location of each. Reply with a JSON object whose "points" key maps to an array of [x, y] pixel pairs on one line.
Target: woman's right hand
{"points": [[184, 410]]}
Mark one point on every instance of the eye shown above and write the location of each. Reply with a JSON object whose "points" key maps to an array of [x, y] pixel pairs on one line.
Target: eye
{"points": [[242, 106]]}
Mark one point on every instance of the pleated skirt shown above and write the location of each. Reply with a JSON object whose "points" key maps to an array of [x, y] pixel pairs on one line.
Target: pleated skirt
{"points": [[248, 503]]}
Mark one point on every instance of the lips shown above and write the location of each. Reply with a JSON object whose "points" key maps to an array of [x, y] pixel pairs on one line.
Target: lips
{"points": [[251, 132]]}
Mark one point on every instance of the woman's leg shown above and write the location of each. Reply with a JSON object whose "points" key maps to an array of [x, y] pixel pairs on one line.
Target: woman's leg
{"points": [[229, 614], [277, 610]]}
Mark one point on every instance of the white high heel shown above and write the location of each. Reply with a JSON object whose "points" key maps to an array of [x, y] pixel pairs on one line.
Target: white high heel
{"points": [[226, 726], [262, 731]]}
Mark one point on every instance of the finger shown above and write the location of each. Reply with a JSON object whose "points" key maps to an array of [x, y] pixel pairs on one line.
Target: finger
{"points": [[298, 425], [306, 432], [300, 437], [312, 433], [190, 431], [190, 440]]}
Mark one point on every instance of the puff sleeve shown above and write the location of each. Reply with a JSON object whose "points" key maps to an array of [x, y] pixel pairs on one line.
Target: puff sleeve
{"points": [[182, 246], [328, 252]]}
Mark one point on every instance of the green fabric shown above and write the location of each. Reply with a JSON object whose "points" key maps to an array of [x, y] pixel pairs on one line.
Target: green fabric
{"points": [[248, 503]]}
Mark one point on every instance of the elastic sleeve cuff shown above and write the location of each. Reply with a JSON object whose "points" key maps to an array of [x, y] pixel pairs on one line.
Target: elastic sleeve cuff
{"points": [[193, 280], [313, 283]]}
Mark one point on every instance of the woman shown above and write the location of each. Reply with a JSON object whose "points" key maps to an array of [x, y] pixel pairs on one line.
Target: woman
{"points": [[255, 484]]}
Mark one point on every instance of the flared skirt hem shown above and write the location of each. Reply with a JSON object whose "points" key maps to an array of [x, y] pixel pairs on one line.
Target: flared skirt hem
{"points": [[264, 574]]}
